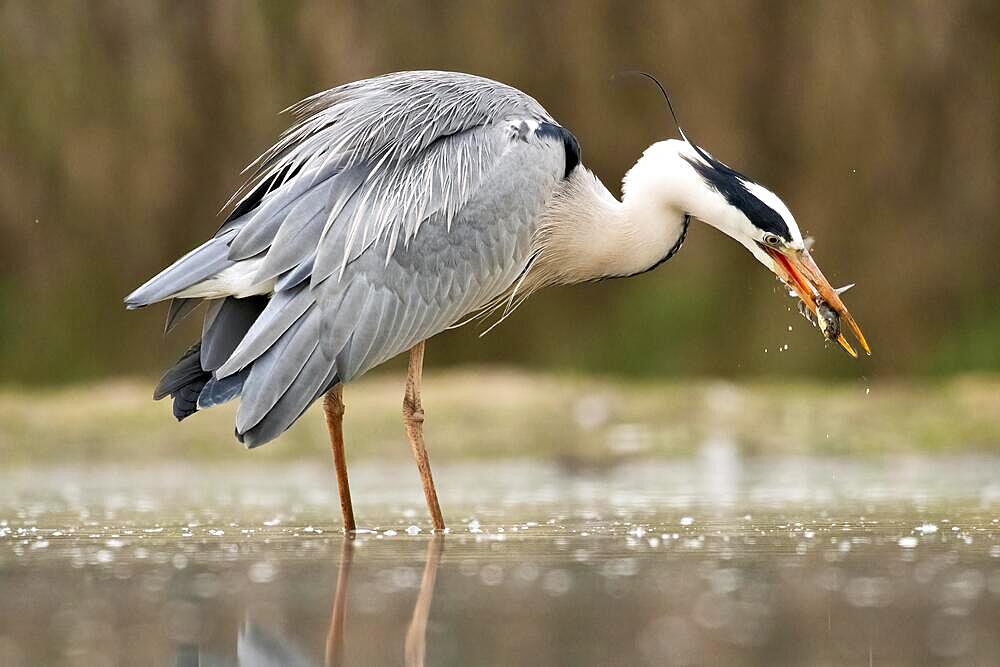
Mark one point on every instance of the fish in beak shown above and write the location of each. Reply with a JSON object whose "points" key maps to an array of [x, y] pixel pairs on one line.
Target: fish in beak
{"points": [[822, 303]]}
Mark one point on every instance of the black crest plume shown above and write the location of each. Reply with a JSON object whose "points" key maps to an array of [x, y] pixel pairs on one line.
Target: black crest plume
{"points": [[670, 107], [666, 97]]}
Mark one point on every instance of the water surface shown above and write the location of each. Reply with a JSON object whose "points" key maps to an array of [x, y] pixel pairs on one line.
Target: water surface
{"points": [[712, 560]]}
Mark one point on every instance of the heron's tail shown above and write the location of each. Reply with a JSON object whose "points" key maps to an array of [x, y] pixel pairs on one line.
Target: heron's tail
{"points": [[277, 376], [191, 382]]}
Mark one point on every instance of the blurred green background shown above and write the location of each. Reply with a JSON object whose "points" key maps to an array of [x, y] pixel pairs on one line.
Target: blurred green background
{"points": [[124, 126]]}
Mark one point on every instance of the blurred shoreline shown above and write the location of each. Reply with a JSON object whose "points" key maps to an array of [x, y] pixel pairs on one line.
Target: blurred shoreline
{"points": [[490, 414]]}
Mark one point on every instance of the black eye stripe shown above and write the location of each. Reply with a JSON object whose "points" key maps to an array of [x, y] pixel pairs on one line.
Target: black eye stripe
{"points": [[730, 184]]}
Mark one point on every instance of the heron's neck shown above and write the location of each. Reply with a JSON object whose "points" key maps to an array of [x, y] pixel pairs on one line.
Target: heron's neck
{"points": [[588, 234]]}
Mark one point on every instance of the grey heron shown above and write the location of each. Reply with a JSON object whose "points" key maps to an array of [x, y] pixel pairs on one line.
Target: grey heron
{"points": [[401, 205]]}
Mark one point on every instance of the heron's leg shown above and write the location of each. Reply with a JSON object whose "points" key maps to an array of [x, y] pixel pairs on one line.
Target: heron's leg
{"points": [[413, 421], [333, 407]]}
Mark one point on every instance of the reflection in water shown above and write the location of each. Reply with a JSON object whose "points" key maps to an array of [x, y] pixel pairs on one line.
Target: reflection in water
{"points": [[258, 648], [416, 634], [335, 637]]}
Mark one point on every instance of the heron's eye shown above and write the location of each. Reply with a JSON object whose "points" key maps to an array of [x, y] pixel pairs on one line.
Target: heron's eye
{"points": [[772, 240]]}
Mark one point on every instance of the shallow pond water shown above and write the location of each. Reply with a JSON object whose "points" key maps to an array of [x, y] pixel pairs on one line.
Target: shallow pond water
{"points": [[711, 560]]}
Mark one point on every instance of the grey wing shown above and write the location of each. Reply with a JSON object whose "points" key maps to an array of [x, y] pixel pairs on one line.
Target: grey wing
{"points": [[391, 295], [395, 207], [377, 157]]}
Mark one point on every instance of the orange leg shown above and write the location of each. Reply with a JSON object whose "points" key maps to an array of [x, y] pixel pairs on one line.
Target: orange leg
{"points": [[413, 422], [333, 407]]}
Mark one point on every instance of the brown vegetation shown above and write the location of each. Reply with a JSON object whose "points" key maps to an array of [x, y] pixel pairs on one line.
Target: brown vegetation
{"points": [[124, 126]]}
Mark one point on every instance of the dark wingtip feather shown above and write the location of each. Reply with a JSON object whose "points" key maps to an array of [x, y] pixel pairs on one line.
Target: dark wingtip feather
{"points": [[183, 382], [186, 400], [187, 370]]}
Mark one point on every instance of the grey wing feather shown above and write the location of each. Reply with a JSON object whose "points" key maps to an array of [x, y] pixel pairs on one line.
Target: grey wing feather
{"points": [[276, 370], [214, 307], [296, 201], [221, 390], [315, 378], [299, 236], [282, 311], [369, 327], [295, 276], [206, 260], [228, 326], [343, 306]]}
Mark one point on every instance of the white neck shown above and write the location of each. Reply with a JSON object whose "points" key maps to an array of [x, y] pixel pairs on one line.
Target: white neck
{"points": [[587, 234]]}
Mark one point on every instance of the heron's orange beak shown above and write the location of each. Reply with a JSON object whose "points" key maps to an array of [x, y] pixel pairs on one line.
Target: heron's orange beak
{"points": [[797, 269]]}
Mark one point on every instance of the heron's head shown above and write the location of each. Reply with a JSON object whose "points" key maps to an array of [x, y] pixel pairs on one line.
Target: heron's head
{"points": [[758, 219], [692, 182]]}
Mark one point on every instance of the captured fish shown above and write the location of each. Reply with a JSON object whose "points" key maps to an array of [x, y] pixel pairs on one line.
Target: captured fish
{"points": [[829, 320]]}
